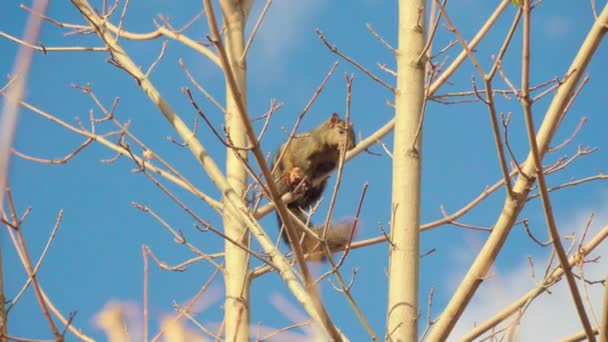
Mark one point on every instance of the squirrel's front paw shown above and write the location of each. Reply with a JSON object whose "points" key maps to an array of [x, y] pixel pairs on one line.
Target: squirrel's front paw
{"points": [[297, 180]]}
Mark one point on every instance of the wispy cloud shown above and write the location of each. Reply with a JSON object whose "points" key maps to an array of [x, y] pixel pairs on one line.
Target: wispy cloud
{"points": [[556, 26], [550, 316], [282, 30]]}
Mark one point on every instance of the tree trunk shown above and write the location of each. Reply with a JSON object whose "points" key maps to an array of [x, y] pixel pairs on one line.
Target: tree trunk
{"points": [[402, 311], [236, 314]]}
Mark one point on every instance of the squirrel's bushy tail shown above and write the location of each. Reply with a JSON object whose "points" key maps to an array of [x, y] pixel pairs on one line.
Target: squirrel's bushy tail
{"points": [[337, 237]]}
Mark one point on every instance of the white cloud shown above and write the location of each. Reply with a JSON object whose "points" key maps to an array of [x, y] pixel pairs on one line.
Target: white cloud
{"points": [[556, 26], [282, 28], [550, 316]]}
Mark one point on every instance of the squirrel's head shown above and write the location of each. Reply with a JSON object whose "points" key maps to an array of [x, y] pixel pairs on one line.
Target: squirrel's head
{"points": [[341, 134]]}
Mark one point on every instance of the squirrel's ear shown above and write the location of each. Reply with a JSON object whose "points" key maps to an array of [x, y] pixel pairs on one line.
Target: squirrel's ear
{"points": [[335, 118]]}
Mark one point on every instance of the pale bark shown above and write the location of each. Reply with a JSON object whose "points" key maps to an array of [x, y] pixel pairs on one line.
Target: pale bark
{"points": [[603, 325], [315, 299], [236, 305], [402, 310]]}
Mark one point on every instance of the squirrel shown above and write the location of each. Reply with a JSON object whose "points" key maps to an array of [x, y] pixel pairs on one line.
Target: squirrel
{"points": [[308, 156]]}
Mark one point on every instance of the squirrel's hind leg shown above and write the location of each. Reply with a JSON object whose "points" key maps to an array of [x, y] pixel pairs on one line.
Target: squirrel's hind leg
{"points": [[298, 180]]}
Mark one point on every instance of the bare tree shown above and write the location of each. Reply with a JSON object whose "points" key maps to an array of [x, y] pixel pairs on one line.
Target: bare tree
{"points": [[247, 191]]}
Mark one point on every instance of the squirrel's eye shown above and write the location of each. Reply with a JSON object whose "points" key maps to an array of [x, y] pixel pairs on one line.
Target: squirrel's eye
{"points": [[341, 131]]}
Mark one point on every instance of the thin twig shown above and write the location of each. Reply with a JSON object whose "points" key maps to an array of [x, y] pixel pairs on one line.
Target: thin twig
{"points": [[380, 39], [177, 235], [144, 252], [550, 279], [254, 31], [429, 318], [269, 336], [210, 124], [37, 267], [45, 49], [497, 140], [160, 56], [63, 160], [16, 236], [188, 306], [465, 46], [199, 87], [335, 50], [433, 29], [568, 140]]}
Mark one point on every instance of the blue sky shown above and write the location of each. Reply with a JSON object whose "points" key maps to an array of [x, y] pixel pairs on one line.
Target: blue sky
{"points": [[96, 255]]}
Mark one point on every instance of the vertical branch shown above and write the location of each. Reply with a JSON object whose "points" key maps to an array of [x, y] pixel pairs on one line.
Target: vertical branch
{"points": [[3, 317], [497, 139], [8, 119], [402, 310], [603, 326], [312, 299], [144, 253], [236, 307], [542, 185]]}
